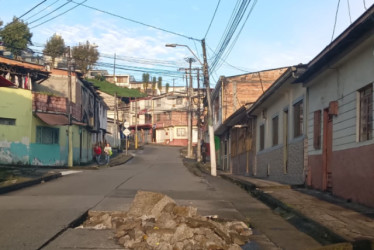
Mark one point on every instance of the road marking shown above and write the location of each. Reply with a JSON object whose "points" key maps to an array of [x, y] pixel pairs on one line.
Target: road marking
{"points": [[70, 172]]}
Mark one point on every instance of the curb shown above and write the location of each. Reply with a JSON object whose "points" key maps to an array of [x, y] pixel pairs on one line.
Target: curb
{"points": [[303, 223], [29, 183]]}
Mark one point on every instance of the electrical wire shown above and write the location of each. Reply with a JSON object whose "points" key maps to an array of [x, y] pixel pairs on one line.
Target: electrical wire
{"points": [[336, 18], [137, 22], [238, 14], [59, 15], [349, 11], [211, 21], [41, 10], [227, 53], [31, 9], [365, 5], [40, 18]]}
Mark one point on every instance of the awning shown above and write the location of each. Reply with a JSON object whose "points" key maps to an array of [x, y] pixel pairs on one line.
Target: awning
{"points": [[5, 83], [53, 119]]}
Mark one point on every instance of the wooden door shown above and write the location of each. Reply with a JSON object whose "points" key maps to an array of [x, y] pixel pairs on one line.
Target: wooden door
{"points": [[327, 151]]}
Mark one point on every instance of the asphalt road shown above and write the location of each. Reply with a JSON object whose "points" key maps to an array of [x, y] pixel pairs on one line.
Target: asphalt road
{"points": [[40, 215]]}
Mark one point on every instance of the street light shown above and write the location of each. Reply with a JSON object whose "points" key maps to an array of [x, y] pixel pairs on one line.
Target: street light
{"points": [[213, 167]]}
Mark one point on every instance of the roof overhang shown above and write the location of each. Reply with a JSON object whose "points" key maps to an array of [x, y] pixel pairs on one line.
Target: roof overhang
{"points": [[53, 119], [360, 30]]}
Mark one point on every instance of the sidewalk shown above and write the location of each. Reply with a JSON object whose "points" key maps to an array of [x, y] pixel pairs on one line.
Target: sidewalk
{"points": [[326, 218], [24, 176]]}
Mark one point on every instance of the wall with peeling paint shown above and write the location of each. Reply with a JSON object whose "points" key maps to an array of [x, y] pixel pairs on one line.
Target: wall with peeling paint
{"points": [[15, 139]]}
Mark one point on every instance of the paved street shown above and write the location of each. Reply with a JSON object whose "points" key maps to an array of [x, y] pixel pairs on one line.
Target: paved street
{"points": [[32, 217]]}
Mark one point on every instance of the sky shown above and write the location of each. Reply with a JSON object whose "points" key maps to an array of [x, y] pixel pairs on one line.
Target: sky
{"points": [[270, 35]]}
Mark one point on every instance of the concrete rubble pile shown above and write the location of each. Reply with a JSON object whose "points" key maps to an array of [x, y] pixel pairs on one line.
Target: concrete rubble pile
{"points": [[155, 221]]}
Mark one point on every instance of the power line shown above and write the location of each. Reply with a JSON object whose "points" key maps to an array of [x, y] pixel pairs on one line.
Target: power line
{"points": [[59, 14], [59, 7], [237, 36], [211, 21], [141, 23], [32, 9], [336, 18], [42, 10], [365, 5], [237, 16], [349, 11]]}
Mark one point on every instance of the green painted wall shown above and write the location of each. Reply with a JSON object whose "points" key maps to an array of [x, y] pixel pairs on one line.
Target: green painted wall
{"points": [[18, 142], [15, 139]]}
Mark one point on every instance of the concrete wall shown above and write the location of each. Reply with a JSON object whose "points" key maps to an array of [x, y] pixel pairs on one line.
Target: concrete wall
{"points": [[15, 139], [271, 161], [351, 175]]}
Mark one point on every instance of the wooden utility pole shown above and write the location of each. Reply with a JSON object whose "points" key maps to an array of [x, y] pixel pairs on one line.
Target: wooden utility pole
{"points": [[213, 166], [70, 129]]}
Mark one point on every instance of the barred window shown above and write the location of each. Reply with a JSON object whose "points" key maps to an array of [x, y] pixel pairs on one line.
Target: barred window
{"points": [[298, 118], [47, 135], [7, 121], [181, 132], [366, 113]]}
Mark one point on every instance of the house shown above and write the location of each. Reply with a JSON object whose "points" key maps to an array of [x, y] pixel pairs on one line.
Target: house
{"points": [[47, 119], [280, 138], [339, 82], [18, 133], [229, 96], [171, 118]]}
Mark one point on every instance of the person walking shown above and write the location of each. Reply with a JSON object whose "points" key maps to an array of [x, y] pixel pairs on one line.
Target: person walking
{"points": [[97, 151], [108, 152]]}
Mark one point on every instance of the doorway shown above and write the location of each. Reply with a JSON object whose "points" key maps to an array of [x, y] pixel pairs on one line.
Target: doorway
{"points": [[327, 151]]}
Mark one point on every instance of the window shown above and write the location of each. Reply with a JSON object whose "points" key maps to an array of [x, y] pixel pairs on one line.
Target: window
{"points": [[366, 113], [46, 135], [179, 101], [7, 121], [158, 102], [317, 130], [262, 137], [298, 119], [275, 130], [158, 117], [181, 132]]}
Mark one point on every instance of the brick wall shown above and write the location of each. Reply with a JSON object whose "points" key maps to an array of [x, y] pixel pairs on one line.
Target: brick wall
{"points": [[47, 103], [174, 118], [243, 89]]}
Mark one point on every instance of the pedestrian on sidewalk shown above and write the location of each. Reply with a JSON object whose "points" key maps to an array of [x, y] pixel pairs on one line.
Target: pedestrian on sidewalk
{"points": [[108, 152], [97, 151]]}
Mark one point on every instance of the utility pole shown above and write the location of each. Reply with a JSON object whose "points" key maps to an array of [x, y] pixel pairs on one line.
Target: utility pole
{"points": [[70, 129], [115, 137], [114, 70], [198, 118], [136, 124], [213, 166], [189, 89]]}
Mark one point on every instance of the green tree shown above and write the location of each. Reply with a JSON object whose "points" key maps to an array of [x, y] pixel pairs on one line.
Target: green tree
{"points": [[167, 87], [85, 56], [159, 83], [16, 36], [55, 47], [154, 81], [145, 78]]}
